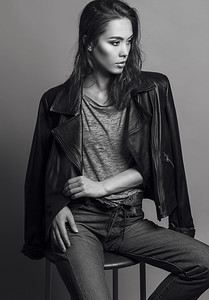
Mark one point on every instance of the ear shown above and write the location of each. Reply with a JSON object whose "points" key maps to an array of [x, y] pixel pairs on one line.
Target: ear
{"points": [[90, 46]]}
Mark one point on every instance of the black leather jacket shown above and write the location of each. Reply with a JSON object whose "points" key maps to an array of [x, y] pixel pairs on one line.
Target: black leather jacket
{"points": [[152, 136]]}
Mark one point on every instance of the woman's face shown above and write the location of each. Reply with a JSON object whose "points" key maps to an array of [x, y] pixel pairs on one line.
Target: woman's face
{"points": [[113, 47]]}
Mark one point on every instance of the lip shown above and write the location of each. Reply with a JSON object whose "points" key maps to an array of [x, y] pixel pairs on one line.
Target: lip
{"points": [[121, 63]]}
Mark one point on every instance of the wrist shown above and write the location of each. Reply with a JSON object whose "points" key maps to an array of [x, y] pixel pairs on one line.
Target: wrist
{"points": [[104, 190]]}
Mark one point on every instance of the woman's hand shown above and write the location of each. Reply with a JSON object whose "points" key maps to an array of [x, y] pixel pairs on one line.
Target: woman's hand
{"points": [[82, 186], [58, 231]]}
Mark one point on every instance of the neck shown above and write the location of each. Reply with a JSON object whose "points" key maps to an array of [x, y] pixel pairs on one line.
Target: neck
{"points": [[95, 86], [97, 80]]}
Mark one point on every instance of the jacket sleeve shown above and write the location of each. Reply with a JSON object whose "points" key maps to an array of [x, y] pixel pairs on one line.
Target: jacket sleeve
{"points": [[34, 185], [181, 218]]}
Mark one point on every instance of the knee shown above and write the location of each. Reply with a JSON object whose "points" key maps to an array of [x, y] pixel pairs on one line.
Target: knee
{"points": [[200, 266], [202, 276], [202, 271]]}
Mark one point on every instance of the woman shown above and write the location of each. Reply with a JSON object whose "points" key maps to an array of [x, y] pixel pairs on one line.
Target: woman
{"points": [[104, 140]]}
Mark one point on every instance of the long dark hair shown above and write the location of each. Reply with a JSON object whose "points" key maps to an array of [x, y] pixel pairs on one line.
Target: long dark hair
{"points": [[93, 22]]}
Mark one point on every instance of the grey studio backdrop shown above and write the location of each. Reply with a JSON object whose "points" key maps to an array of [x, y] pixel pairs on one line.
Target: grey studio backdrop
{"points": [[37, 49]]}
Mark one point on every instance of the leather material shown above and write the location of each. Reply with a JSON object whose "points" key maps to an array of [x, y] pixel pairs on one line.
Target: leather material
{"points": [[152, 136]]}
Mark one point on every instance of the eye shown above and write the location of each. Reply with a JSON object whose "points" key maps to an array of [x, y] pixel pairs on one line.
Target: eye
{"points": [[129, 42], [115, 43]]}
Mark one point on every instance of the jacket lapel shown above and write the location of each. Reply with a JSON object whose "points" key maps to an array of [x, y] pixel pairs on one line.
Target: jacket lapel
{"points": [[69, 135], [69, 131], [62, 103], [139, 124]]}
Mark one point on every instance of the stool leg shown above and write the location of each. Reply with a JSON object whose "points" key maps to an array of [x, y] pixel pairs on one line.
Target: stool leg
{"points": [[48, 276], [115, 284], [142, 281]]}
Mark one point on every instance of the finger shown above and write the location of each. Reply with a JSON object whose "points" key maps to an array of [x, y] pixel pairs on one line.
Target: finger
{"points": [[59, 240], [80, 195], [64, 235], [69, 187], [72, 180], [72, 223], [53, 236], [68, 192], [55, 241], [74, 185]]}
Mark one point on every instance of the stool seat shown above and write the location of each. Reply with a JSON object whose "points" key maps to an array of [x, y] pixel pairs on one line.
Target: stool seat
{"points": [[116, 261], [113, 262]]}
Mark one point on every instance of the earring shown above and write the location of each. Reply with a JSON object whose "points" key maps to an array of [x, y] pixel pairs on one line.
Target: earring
{"points": [[89, 48]]}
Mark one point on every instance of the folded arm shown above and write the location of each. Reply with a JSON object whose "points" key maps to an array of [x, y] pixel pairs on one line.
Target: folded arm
{"points": [[82, 186]]}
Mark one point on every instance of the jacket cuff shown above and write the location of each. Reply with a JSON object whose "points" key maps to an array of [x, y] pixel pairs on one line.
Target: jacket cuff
{"points": [[33, 252], [187, 231]]}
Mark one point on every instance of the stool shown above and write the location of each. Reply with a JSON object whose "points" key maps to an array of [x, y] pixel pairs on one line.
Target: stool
{"points": [[112, 262]]}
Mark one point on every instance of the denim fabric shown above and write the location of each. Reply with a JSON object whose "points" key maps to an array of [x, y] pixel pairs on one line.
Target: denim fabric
{"points": [[124, 230]]}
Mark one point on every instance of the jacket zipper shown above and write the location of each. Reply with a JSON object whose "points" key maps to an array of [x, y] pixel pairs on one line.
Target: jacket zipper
{"points": [[159, 187], [167, 159], [157, 143]]}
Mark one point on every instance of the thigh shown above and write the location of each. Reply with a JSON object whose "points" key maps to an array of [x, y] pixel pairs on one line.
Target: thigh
{"points": [[162, 247], [82, 266]]}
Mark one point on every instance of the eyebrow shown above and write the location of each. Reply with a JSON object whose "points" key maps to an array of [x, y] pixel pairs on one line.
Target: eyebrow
{"points": [[119, 37]]}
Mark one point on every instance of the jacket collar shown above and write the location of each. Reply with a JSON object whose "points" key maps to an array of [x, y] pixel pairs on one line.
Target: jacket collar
{"points": [[62, 104]]}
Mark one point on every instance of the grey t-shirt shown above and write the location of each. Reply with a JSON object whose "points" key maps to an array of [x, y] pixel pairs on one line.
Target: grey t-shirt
{"points": [[104, 152]]}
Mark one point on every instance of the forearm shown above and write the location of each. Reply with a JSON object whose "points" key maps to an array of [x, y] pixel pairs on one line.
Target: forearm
{"points": [[82, 186], [123, 181]]}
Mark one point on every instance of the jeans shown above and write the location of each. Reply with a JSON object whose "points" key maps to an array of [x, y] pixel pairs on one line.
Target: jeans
{"points": [[124, 230]]}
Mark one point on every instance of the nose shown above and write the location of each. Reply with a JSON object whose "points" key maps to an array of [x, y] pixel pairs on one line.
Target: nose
{"points": [[124, 51]]}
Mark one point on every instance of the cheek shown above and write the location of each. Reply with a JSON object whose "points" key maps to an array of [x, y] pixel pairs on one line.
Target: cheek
{"points": [[105, 54]]}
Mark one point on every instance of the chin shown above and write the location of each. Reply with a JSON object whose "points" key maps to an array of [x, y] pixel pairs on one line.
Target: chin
{"points": [[115, 72], [112, 71]]}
